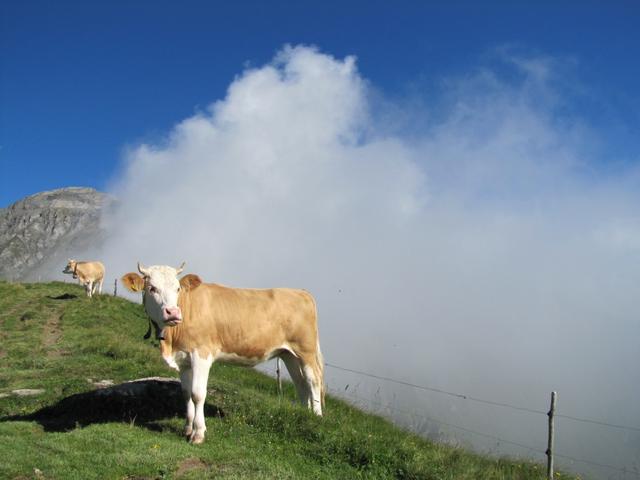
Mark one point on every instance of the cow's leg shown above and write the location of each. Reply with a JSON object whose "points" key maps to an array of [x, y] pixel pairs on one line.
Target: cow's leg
{"points": [[313, 380], [100, 286], [87, 287], [200, 367], [186, 382], [295, 372], [97, 286]]}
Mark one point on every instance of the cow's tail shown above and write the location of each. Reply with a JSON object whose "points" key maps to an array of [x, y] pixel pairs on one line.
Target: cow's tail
{"points": [[319, 357], [320, 367]]}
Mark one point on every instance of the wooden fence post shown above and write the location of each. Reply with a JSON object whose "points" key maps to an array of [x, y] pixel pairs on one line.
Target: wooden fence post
{"points": [[115, 287], [278, 376], [549, 452]]}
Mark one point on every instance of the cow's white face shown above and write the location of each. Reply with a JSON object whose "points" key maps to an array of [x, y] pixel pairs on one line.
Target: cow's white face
{"points": [[161, 290]]}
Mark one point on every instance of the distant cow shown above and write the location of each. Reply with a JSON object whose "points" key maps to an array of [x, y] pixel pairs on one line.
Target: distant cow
{"points": [[89, 274], [199, 323]]}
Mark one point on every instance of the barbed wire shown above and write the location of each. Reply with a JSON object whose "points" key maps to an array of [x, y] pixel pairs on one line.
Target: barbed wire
{"points": [[597, 422], [481, 400], [438, 390]]}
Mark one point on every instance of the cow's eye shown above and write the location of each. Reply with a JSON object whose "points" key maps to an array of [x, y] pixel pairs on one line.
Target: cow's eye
{"points": [[178, 288], [153, 289]]}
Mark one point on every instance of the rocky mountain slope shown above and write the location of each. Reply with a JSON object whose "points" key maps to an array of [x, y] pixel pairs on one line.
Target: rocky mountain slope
{"points": [[39, 232]]}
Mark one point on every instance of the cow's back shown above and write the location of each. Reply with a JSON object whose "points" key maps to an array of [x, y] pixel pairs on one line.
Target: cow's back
{"points": [[93, 271], [247, 322]]}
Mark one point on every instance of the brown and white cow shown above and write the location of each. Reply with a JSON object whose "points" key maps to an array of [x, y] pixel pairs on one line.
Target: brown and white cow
{"points": [[199, 323], [89, 274]]}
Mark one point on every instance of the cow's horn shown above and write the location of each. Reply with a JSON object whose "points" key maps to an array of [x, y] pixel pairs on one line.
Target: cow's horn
{"points": [[142, 270], [180, 268]]}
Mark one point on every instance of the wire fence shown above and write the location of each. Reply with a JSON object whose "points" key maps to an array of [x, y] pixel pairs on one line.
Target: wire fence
{"points": [[388, 407], [379, 407], [480, 400], [437, 390]]}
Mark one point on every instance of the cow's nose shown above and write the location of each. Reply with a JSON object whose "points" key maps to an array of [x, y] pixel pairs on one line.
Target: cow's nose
{"points": [[172, 313]]}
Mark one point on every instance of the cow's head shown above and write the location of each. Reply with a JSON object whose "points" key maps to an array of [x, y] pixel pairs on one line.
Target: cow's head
{"points": [[71, 267], [160, 290]]}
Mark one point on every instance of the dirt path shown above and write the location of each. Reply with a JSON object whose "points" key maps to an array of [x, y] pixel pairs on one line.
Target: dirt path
{"points": [[51, 335]]}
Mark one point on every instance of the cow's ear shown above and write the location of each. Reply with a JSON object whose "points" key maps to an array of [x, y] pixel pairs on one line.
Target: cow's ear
{"points": [[133, 282], [189, 282]]}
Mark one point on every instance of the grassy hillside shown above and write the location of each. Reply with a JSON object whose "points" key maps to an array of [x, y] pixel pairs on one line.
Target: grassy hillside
{"points": [[53, 338]]}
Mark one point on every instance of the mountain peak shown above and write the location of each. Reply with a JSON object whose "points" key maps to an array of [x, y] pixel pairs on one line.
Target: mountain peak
{"points": [[43, 229]]}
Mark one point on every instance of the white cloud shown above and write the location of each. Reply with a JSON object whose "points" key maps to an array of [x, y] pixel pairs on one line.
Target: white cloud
{"points": [[474, 257]]}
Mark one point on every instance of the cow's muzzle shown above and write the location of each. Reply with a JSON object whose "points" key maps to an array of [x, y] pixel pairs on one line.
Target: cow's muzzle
{"points": [[172, 316]]}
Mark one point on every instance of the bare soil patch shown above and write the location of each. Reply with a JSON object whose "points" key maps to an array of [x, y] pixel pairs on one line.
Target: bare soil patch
{"points": [[52, 334], [190, 464]]}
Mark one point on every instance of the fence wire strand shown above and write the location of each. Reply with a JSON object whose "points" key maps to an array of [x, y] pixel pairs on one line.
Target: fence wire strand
{"points": [[437, 390], [597, 422], [480, 400]]}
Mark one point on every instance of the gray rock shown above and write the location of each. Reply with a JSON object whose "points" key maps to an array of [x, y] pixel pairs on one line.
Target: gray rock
{"points": [[39, 232], [101, 383], [27, 392], [142, 387]]}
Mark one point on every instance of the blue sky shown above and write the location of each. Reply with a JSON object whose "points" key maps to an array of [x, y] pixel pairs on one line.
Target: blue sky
{"points": [[81, 81]]}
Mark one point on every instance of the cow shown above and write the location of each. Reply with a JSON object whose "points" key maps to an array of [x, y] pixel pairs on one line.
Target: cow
{"points": [[89, 274], [200, 323]]}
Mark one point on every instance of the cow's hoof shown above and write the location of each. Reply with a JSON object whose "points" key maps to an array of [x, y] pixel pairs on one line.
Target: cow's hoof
{"points": [[188, 431], [196, 439]]}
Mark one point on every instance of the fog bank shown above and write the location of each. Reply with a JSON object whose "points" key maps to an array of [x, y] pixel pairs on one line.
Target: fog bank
{"points": [[477, 244]]}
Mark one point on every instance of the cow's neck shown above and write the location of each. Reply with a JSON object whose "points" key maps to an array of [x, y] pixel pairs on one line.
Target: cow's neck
{"points": [[186, 336], [177, 341], [175, 337]]}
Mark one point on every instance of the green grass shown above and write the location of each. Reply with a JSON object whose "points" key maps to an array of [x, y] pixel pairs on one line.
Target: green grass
{"points": [[57, 345]]}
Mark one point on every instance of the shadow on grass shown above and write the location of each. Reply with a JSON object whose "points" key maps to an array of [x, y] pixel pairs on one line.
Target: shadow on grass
{"points": [[143, 402]]}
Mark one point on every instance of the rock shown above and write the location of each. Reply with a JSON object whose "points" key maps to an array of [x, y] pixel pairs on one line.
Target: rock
{"points": [[102, 383], [40, 232], [27, 392]]}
